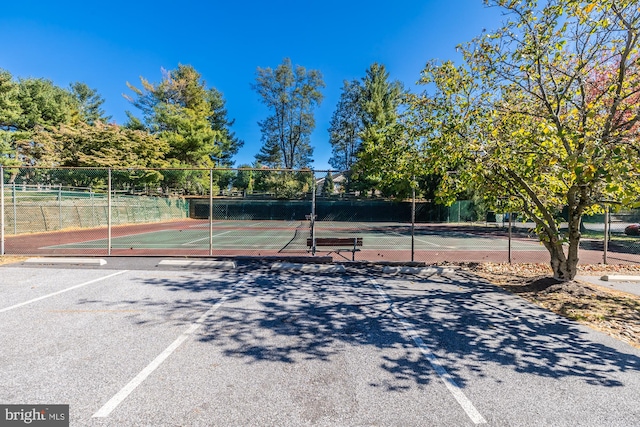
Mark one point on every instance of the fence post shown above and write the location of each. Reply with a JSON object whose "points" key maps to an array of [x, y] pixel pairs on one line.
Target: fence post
{"points": [[14, 197], [313, 213], [413, 219], [510, 215], [606, 234], [210, 212], [60, 205], [1, 209], [109, 212], [93, 209]]}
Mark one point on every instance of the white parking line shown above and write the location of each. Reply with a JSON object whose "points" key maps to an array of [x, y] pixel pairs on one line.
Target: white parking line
{"points": [[61, 291], [139, 379], [446, 378]]}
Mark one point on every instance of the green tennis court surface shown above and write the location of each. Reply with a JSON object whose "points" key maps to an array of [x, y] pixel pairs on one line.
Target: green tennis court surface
{"points": [[291, 236]]}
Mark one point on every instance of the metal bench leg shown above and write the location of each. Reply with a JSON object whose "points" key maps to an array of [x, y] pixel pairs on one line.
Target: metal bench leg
{"points": [[355, 248]]}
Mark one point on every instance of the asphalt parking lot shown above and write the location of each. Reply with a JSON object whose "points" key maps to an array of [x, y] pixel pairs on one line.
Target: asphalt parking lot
{"points": [[136, 343]]}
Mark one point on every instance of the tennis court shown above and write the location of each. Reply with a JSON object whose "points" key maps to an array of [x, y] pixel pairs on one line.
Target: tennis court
{"points": [[380, 241]]}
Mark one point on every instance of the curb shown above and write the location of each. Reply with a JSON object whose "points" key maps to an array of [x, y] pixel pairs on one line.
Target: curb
{"points": [[620, 278], [199, 264], [74, 261]]}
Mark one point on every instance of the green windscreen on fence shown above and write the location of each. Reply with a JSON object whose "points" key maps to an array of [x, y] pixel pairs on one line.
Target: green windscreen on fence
{"points": [[330, 210]]}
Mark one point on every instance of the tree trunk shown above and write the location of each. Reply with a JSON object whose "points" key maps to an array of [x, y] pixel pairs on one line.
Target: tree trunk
{"points": [[559, 264], [565, 266], [575, 222]]}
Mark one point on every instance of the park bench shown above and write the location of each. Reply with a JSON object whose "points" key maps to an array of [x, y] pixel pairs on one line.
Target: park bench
{"points": [[338, 245]]}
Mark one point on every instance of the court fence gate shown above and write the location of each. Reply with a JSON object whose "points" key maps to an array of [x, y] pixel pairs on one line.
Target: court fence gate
{"points": [[232, 212]]}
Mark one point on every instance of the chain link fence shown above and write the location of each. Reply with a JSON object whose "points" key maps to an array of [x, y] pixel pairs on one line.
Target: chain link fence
{"points": [[34, 208], [264, 212]]}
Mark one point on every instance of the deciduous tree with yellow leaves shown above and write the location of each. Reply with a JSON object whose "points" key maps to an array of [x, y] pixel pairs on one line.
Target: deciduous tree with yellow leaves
{"points": [[542, 117]]}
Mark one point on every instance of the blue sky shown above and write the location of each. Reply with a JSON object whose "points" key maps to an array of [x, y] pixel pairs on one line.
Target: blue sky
{"points": [[108, 44]]}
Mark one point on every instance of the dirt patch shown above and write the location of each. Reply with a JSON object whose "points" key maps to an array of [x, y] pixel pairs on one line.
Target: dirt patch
{"points": [[613, 312]]}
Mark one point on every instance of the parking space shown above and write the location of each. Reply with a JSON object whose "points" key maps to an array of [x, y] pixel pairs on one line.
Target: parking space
{"points": [[135, 343]]}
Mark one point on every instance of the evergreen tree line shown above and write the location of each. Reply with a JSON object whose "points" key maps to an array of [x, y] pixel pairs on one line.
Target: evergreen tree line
{"points": [[183, 124], [180, 123]]}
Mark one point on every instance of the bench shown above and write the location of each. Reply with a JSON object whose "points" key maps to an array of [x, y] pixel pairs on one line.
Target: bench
{"points": [[342, 243]]}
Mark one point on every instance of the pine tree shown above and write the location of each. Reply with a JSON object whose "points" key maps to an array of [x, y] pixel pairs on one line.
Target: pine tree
{"points": [[328, 185], [383, 155], [89, 103], [190, 117], [346, 125]]}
